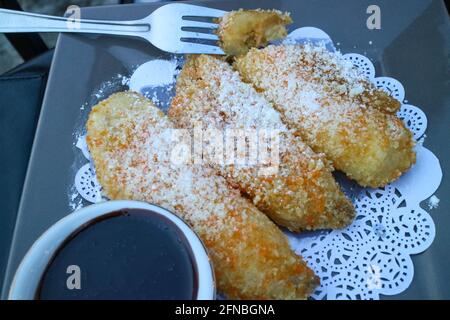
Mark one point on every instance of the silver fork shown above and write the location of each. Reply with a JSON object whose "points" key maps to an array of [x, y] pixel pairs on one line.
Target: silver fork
{"points": [[177, 28]]}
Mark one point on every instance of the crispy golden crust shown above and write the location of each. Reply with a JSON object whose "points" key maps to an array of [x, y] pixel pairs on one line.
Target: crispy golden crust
{"points": [[378, 99], [243, 29], [334, 110], [130, 143], [302, 194]]}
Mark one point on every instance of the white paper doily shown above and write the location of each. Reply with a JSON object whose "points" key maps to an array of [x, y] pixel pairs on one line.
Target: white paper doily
{"points": [[372, 256], [86, 182]]}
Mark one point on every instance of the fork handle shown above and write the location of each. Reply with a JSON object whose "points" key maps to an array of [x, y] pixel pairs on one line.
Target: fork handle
{"points": [[12, 21]]}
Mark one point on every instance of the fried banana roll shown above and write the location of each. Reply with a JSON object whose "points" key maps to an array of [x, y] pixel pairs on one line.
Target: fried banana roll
{"points": [[300, 193], [131, 143], [334, 109], [244, 29]]}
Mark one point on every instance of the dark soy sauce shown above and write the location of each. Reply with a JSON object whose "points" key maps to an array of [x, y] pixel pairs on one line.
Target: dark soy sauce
{"points": [[129, 254]]}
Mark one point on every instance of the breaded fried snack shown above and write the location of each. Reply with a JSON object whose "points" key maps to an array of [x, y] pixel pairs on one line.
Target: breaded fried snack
{"points": [[244, 29], [301, 193], [131, 143], [334, 110]]}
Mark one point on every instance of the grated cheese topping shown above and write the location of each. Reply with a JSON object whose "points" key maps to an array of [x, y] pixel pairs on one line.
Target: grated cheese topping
{"points": [[216, 97], [317, 89], [134, 161], [335, 109], [295, 186]]}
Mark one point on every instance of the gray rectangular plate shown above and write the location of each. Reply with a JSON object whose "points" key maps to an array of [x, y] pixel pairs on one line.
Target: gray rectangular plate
{"points": [[412, 46]]}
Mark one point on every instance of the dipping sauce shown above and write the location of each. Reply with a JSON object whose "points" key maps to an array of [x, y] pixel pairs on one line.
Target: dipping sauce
{"points": [[130, 254]]}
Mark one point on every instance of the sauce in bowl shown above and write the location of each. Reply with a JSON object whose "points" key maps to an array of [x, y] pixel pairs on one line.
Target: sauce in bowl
{"points": [[128, 254]]}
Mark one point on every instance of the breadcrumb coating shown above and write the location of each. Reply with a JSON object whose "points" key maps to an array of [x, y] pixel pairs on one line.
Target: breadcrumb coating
{"points": [[244, 29], [130, 141], [302, 193], [334, 109]]}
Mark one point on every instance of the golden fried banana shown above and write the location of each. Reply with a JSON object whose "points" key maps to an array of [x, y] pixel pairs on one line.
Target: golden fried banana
{"points": [[301, 194], [322, 96], [130, 141], [243, 29]]}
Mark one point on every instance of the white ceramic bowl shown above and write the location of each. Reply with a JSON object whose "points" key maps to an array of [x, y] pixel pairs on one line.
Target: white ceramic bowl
{"points": [[31, 269]]}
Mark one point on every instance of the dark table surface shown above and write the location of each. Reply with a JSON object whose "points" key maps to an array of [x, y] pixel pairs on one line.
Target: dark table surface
{"points": [[21, 93], [412, 46]]}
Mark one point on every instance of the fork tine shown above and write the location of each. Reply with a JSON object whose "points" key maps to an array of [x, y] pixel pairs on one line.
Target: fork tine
{"points": [[189, 47], [191, 10], [199, 24], [199, 36], [182, 28]]}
